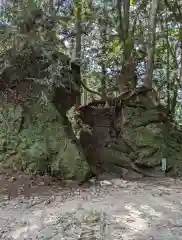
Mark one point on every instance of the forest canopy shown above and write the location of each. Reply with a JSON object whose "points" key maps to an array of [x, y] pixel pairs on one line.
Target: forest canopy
{"points": [[102, 36]]}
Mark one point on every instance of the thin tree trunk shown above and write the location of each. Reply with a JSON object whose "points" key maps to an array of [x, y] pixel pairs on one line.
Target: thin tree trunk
{"points": [[168, 76], [78, 39], [167, 69], [120, 24], [174, 100], [85, 79], [151, 43], [126, 16], [126, 80], [78, 31], [103, 34], [181, 55]]}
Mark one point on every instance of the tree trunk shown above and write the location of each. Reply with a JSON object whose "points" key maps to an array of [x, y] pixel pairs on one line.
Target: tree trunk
{"points": [[103, 34], [168, 72], [126, 80], [181, 54], [78, 38], [174, 99], [151, 43], [126, 8]]}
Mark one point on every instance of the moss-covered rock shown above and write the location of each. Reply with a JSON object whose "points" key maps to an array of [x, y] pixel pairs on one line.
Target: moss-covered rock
{"points": [[35, 140], [137, 138], [152, 141]]}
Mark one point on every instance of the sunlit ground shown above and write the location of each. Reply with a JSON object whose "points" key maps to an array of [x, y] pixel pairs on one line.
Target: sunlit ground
{"points": [[130, 210]]}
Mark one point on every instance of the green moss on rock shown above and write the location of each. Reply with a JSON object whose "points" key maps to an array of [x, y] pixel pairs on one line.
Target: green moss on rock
{"points": [[152, 141], [35, 140]]}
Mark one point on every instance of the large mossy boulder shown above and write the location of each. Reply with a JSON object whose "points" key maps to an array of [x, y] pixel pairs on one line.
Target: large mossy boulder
{"points": [[137, 137], [35, 140], [38, 87], [152, 139]]}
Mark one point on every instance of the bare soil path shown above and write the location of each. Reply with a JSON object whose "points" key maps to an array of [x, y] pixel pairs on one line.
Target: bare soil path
{"points": [[37, 208]]}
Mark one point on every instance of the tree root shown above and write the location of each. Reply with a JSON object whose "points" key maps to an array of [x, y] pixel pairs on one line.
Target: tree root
{"points": [[146, 173]]}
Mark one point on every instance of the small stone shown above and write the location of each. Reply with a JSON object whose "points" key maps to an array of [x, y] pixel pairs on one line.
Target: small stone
{"points": [[50, 200], [21, 189], [119, 182], [129, 220], [92, 180], [105, 183], [41, 183], [12, 179]]}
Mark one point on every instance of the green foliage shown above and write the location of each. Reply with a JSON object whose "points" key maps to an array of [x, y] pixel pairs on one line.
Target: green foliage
{"points": [[132, 2], [97, 49]]}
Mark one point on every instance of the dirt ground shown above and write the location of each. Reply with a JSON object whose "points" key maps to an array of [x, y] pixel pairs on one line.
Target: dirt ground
{"points": [[41, 208]]}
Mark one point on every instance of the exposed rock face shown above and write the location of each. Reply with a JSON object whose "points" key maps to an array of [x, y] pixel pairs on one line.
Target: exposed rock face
{"points": [[35, 140], [35, 134]]}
